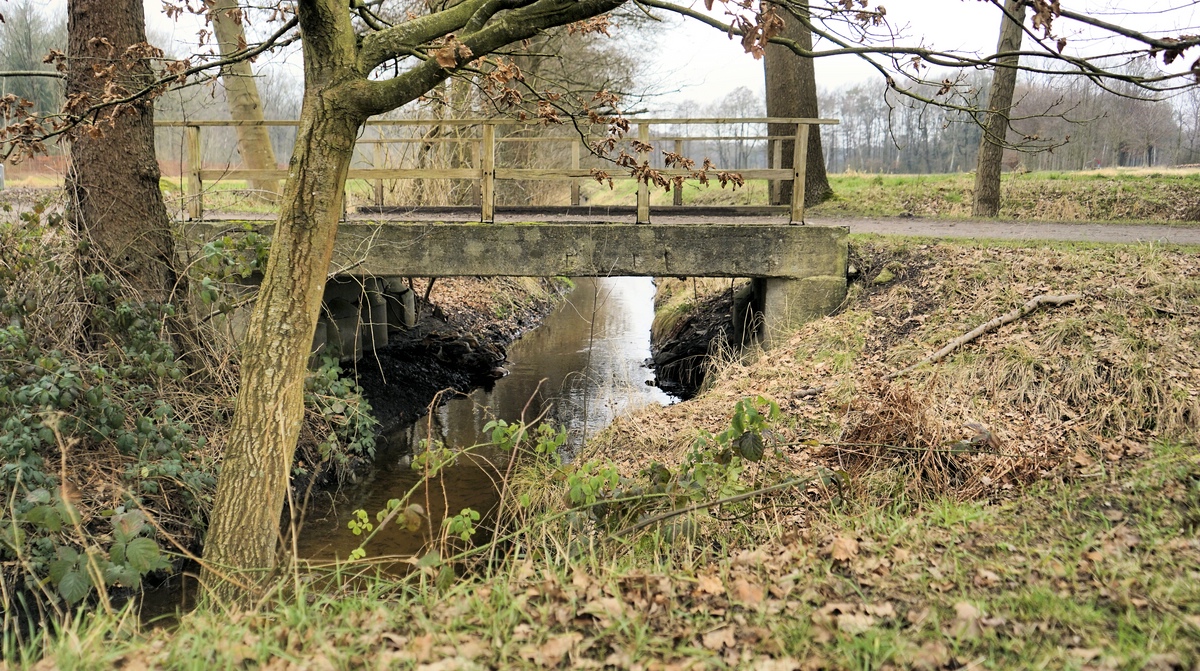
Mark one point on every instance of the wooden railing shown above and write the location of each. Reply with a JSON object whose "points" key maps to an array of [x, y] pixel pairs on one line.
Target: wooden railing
{"points": [[486, 172]]}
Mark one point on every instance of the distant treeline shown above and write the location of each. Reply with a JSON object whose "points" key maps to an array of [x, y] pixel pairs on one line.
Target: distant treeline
{"points": [[1060, 123]]}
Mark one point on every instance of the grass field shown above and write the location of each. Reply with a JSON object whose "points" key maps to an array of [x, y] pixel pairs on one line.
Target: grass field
{"points": [[1105, 195], [1113, 195], [1032, 501]]}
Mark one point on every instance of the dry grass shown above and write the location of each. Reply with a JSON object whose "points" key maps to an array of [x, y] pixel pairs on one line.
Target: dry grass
{"points": [[1069, 388]]}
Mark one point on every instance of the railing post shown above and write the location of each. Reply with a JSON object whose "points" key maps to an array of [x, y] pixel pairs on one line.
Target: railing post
{"points": [[195, 163], [575, 166], [488, 199], [776, 163], [799, 172], [376, 163], [677, 193], [643, 192]]}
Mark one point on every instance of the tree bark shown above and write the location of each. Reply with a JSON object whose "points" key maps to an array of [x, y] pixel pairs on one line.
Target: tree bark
{"points": [[256, 468], [791, 84], [241, 94], [1000, 100], [113, 179]]}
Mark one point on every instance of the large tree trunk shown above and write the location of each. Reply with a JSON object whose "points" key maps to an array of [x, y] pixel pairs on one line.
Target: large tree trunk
{"points": [[266, 421], [257, 462], [241, 93], [1000, 100], [792, 92], [113, 180]]}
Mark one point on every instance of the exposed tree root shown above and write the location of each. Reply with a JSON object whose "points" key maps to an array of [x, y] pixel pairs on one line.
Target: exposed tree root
{"points": [[1052, 300]]}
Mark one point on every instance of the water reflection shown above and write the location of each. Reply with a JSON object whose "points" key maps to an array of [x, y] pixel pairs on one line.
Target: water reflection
{"points": [[581, 368]]}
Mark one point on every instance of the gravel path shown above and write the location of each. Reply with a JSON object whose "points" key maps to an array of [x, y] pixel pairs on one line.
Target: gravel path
{"points": [[1018, 230]]}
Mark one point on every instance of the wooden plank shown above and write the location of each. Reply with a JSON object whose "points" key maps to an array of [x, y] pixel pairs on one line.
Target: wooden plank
{"points": [[505, 122], [488, 197], [575, 158], [195, 180], [776, 161], [643, 189], [800, 168], [377, 164], [531, 174]]}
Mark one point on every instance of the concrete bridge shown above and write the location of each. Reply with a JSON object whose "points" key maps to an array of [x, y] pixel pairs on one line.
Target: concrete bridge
{"points": [[798, 271]]}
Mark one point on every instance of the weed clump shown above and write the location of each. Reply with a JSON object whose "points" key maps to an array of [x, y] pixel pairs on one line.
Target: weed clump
{"points": [[112, 418]]}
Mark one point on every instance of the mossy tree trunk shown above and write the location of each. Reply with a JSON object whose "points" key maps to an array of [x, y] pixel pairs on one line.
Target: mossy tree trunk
{"points": [[791, 84], [240, 548], [1000, 101], [113, 178]]}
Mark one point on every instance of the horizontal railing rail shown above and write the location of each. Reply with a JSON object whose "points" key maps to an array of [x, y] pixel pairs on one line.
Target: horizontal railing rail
{"points": [[487, 172]]}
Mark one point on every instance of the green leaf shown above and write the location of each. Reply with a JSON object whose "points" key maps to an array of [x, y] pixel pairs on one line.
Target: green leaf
{"points": [[749, 446], [74, 586], [44, 516], [127, 525], [431, 559], [59, 568], [143, 555]]}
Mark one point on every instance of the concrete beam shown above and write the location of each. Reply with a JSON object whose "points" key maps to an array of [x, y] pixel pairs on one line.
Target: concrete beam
{"points": [[425, 249]]}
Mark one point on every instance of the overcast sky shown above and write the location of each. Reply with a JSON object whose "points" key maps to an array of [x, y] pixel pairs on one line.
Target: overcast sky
{"points": [[688, 60]]}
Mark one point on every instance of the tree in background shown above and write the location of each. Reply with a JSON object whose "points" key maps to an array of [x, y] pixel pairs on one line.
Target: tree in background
{"points": [[792, 92], [113, 179], [25, 38], [1000, 102], [241, 94]]}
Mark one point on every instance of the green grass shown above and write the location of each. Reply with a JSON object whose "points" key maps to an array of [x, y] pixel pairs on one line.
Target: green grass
{"points": [[1102, 571], [1102, 196]]}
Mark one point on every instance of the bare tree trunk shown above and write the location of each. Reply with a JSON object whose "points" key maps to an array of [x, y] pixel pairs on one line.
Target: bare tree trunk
{"points": [[113, 180], [1000, 100], [266, 422], [792, 92], [241, 93]]}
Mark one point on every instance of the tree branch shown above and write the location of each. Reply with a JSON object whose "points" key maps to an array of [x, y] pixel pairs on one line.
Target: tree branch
{"points": [[987, 327]]}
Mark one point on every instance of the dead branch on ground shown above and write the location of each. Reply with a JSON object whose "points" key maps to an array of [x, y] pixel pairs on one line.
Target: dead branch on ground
{"points": [[1033, 304]]}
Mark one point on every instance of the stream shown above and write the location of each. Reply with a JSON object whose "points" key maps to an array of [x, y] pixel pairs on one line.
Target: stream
{"points": [[581, 368]]}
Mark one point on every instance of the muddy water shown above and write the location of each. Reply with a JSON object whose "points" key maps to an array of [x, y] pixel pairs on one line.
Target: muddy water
{"points": [[580, 369]]}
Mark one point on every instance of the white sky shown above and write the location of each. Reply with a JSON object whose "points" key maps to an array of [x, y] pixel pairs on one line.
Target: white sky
{"points": [[689, 60]]}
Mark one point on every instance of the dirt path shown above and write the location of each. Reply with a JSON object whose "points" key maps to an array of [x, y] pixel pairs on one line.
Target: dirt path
{"points": [[1018, 230]]}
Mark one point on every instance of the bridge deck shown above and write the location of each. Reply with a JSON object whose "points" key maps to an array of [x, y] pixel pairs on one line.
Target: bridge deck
{"points": [[741, 247]]}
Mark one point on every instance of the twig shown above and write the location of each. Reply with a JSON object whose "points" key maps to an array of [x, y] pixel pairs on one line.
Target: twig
{"points": [[787, 484], [1006, 318]]}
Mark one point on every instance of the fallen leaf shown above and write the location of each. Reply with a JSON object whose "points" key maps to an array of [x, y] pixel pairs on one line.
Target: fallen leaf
{"points": [[854, 623], [932, 655], [769, 664], [843, 549], [747, 592], [966, 620], [881, 609], [719, 638], [985, 578], [710, 584], [552, 652]]}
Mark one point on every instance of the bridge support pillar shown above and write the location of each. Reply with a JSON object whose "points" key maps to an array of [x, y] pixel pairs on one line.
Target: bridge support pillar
{"points": [[787, 303]]}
